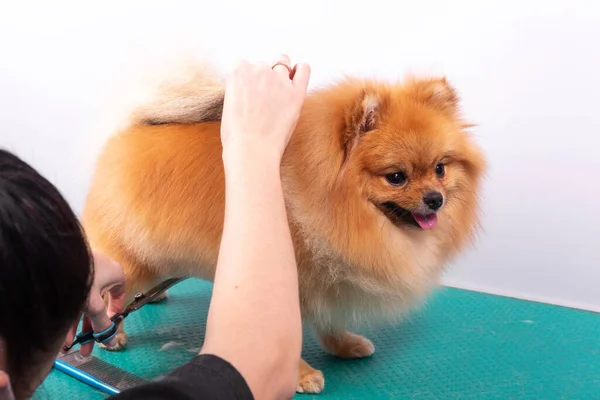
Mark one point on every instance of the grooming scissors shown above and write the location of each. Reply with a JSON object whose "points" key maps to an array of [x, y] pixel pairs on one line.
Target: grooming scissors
{"points": [[140, 300]]}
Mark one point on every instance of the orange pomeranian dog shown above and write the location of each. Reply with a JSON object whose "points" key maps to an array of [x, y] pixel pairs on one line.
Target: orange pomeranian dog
{"points": [[381, 184]]}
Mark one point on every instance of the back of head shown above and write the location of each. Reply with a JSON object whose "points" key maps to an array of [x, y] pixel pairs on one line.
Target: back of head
{"points": [[45, 272]]}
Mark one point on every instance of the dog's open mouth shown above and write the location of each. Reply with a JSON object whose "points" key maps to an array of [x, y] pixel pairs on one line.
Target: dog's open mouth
{"points": [[401, 216]]}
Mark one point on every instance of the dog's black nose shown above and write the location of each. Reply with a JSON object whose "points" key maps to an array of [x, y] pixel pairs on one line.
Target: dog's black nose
{"points": [[434, 200]]}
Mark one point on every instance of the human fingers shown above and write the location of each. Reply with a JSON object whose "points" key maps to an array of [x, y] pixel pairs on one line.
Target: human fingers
{"points": [[6, 392], [100, 324], [96, 314], [109, 277], [116, 300], [281, 65], [108, 272], [86, 349], [301, 77], [71, 334], [240, 69]]}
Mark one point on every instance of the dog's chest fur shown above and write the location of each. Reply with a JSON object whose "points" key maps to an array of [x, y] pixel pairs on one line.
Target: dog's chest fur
{"points": [[337, 294]]}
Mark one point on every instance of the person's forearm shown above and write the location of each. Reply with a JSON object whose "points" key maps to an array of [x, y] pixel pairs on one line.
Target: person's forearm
{"points": [[255, 308]]}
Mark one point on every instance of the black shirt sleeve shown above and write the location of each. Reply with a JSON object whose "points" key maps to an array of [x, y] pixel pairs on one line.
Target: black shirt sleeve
{"points": [[205, 377]]}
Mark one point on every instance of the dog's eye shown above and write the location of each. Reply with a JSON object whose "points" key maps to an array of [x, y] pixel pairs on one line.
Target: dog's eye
{"points": [[396, 178], [440, 170]]}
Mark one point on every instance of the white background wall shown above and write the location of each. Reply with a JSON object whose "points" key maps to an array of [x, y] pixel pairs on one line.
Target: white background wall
{"points": [[528, 72]]}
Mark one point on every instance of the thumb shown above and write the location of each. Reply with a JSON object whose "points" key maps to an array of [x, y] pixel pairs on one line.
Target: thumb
{"points": [[108, 272], [6, 392]]}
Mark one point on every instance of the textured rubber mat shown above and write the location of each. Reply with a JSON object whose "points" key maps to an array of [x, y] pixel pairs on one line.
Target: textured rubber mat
{"points": [[462, 345]]}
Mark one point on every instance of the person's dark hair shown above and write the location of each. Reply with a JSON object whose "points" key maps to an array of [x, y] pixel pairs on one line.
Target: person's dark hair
{"points": [[46, 267]]}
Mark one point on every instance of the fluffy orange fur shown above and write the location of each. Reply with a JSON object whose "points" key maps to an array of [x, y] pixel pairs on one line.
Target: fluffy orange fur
{"points": [[156, 202]]}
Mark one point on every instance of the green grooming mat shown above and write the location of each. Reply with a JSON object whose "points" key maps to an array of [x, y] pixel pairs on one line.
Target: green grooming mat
{"points": [[461, 345]]}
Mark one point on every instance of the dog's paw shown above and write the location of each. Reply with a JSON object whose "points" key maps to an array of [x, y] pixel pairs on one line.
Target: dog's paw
{"points": [[161, 297], [311, 382], [119, 342], [348, 345]]}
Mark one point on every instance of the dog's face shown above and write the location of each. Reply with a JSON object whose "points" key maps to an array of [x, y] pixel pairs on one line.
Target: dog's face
{"points": [[417, 162]]}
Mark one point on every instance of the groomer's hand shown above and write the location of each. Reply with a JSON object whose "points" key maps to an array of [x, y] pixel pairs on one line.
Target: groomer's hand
{"points": [[108, 278], [262, 106], [6, 392]]}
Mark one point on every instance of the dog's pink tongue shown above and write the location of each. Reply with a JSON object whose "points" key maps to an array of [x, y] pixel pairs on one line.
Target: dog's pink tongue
{"points": [[426, 221]]}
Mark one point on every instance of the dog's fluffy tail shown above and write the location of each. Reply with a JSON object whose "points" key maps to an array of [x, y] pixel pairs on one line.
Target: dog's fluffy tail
{"points": [[193, 94]]}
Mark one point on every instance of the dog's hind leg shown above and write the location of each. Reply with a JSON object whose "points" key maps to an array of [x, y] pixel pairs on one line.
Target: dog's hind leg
{"points": [[346, 345]]}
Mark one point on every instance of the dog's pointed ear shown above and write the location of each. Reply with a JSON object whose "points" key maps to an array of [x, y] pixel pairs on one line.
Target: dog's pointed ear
{"points": [[436, 92], [363, 116]]}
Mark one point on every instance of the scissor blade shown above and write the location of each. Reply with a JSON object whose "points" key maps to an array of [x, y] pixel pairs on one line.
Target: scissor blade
{"points": [[153, 293]]}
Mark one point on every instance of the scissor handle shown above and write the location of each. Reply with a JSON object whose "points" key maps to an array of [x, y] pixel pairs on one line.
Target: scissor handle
{"points": [[82, 338], [141, 299], [100, 337], [106, 334]]}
